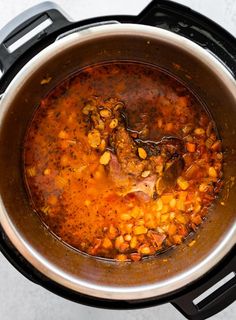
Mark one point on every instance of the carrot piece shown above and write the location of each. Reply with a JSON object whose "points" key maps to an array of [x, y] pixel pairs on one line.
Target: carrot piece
{"points": [[191, 147]]}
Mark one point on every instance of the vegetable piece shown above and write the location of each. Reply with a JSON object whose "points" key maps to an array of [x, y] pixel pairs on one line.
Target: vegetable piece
{"points": [[63, 134], [105, 158], [119, 240], [94, 138], [142, 153], [173, 203], [105, 113], [47, 171], [31, 172], [128, 237], [139, 230], [159, 204], [212, 172], [133, 242], [203, 187], [135, 256], [191, 171], [209, 142], [125, 216], [216, 146], [113, 124], [191, 147], [199, 131], [182, 183], [144, 249], [107, 244], [166, 198], [121, 257], [145, 174]]}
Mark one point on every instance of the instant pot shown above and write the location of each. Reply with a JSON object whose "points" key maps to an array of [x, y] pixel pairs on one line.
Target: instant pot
{"points": [[184, 43]]}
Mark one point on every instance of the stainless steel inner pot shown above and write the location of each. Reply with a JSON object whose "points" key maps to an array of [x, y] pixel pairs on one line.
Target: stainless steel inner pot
{"points": [[204, 74]]}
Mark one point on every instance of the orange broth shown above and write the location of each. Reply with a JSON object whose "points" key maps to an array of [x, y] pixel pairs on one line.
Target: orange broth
{"points": [[97, 173]]}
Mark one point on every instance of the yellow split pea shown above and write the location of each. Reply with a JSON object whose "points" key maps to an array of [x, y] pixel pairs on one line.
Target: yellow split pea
{"points": [[105, 158]]}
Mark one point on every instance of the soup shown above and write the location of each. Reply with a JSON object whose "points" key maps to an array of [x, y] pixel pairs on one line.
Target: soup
{"points": [[122, 161]]}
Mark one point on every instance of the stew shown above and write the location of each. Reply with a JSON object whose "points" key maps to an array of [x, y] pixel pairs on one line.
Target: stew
{"points": [[122, 161]]}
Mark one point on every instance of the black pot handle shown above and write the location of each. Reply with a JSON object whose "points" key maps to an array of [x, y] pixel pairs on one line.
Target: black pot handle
{"points": [[200, 303], [45, 19]]}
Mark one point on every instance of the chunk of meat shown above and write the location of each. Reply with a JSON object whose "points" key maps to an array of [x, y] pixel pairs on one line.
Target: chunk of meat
{"points": [[157, 238], [126, 152], [146, 185], [129, 184]]}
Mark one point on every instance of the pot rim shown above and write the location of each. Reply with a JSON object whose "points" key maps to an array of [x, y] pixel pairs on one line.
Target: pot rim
{"points": [[24, 247]]}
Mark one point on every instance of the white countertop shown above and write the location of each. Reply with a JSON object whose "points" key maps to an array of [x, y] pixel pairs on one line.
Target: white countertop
{"points": [[19, 298]]}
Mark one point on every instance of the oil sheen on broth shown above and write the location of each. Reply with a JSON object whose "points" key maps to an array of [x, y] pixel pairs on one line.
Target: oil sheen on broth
{"points": [[122, 161]]}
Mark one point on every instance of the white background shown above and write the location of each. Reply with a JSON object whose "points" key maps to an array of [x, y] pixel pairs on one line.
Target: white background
{"points": [[19, 298]]}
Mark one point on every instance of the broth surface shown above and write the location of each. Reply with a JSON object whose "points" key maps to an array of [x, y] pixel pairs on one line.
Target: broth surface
{"points": [[122, 161]]}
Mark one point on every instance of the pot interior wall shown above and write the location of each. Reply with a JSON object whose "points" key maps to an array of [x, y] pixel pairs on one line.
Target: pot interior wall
{"points": [[210, 89]]}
